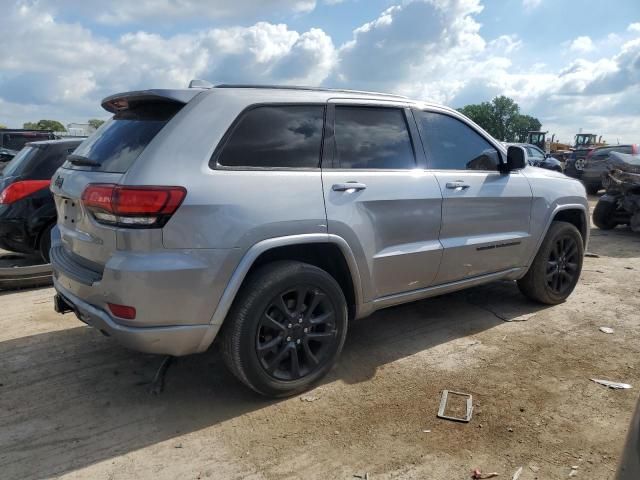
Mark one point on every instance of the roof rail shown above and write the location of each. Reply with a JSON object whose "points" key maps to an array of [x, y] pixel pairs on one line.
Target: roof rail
{"points": [[314, 89]]}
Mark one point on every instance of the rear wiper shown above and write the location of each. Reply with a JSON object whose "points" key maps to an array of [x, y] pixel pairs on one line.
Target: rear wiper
{"points": [[82, 161]]}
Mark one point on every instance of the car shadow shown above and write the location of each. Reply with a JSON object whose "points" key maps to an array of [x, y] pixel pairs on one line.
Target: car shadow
{"points": [[72, 398], [620, 242]]}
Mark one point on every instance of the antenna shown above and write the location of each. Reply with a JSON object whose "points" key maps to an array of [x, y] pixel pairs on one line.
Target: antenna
{"points": [[195, 83]]}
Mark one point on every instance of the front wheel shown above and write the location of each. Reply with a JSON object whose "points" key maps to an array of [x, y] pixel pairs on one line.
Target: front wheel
{"points": [[286, 328], [556, 268]]}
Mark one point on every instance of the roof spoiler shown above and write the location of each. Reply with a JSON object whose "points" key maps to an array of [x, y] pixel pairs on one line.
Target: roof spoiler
{"points": [[121, 101]]}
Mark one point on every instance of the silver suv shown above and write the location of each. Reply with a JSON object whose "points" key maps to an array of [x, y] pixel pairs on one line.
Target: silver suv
{"points": [[269, 217]]}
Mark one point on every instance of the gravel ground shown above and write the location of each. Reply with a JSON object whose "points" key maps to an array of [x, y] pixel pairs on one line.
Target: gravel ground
{"points": [[75, 405]]}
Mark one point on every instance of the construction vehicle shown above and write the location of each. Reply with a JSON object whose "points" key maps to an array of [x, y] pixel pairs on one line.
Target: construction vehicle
{"points": [[560, 151]]}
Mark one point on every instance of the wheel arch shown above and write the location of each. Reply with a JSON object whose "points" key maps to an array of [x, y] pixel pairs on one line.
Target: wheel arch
{"points": [[317, 249], [574, 213]]}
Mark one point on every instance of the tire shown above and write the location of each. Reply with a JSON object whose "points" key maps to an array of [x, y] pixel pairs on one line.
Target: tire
{"points": [[592, 188], [604, 213], [44, 245], [272, 320], [555, 270]]}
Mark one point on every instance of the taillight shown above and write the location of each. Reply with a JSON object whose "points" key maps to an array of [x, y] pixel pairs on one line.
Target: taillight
{"points": [[134, 207], [18, 190], [122, 311]]}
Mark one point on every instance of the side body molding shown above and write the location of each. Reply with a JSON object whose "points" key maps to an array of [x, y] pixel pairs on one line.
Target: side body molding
{"points": [[258, 249]]}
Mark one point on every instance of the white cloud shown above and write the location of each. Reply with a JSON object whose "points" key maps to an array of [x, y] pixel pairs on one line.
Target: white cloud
{"points": [[582, 44], [531, 4], [428, 49], [634, 27], [114, 12]]}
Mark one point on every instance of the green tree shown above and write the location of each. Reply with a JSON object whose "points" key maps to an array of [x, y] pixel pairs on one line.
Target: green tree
{"points": [[95, 122], [502, 119], [2, 126], [45, 125]]}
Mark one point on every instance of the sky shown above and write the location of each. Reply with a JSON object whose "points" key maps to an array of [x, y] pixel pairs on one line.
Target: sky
{"points": [[573, 65]]}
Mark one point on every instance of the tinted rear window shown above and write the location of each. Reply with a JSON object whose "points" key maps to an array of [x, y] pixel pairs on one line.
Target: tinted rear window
{"points": [[119, 141], [278, 136], [20, 163]]}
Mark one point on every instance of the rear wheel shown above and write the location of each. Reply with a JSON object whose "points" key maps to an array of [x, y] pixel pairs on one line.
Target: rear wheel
{"points": [[556, 268], [604, 215], [286, 328]]}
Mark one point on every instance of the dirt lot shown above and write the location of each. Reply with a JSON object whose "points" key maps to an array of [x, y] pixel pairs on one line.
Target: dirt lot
{"points": [[75, 405]]}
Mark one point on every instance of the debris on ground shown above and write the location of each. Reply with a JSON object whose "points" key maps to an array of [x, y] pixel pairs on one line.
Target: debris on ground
{"points": [[364, 477], [534, 468], [606, 329], [309, 398], [426, 431], [591, 255], [443, 406], [610, 384], [477, 474], [517, 474], [574, 471], [157, 384]]}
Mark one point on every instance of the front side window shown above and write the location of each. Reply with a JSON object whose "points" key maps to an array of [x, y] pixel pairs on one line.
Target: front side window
{"points": [[277, 136], [372, 137], [452, 145]]}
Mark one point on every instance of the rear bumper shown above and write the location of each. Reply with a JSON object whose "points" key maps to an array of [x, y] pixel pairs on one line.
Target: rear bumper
{"points": [[168, 340]]}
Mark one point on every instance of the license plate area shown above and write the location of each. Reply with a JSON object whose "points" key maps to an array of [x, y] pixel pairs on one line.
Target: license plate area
{"points": [[69, 212]]}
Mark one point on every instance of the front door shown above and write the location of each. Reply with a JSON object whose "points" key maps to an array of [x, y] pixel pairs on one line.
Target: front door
{"points": [[485, 214], [377, 199]]}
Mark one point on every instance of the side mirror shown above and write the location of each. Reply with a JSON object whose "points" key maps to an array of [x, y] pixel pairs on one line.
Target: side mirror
{"points": [[516, 159]]}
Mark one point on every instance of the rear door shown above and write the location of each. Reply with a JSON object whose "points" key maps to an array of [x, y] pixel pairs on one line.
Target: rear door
{"points": [[103, 158], [379, 198], [485, 214]]}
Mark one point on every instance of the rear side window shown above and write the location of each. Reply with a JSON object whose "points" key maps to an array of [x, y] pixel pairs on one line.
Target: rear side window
{"points": [[118, 142], [452, 145], [276, 136], [372, 137]]}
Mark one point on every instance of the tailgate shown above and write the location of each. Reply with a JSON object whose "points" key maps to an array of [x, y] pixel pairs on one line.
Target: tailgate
{"points": [[85, 240]]}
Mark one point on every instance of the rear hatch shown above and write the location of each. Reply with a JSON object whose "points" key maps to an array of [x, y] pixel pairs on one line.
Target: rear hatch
{"points": [[88, 240]]}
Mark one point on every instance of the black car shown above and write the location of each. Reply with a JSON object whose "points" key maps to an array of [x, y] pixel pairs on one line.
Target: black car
{"points": [[27, 211], [12, 141], [538, 158], [595, 165]]}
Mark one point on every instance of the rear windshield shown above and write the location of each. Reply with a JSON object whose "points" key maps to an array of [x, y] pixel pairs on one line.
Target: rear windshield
{"points": [[20, 163], [116, 144], [17, 140]]}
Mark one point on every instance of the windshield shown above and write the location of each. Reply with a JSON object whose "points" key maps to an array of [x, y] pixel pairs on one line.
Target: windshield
{"points": [[20, 162], [117, 143]]}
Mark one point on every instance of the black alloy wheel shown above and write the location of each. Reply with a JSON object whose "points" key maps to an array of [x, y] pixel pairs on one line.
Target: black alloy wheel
{"points": [[562, 265], [296, 333]]}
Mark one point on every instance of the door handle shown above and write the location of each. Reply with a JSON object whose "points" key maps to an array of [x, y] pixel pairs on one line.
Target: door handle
{"points": [[348, 186], [457, 185]]}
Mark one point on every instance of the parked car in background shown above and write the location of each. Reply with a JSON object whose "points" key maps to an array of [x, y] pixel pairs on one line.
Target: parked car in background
{"points": [[12, 141], [595, 165], [300, 210], [27, 210], [536, 157]]}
